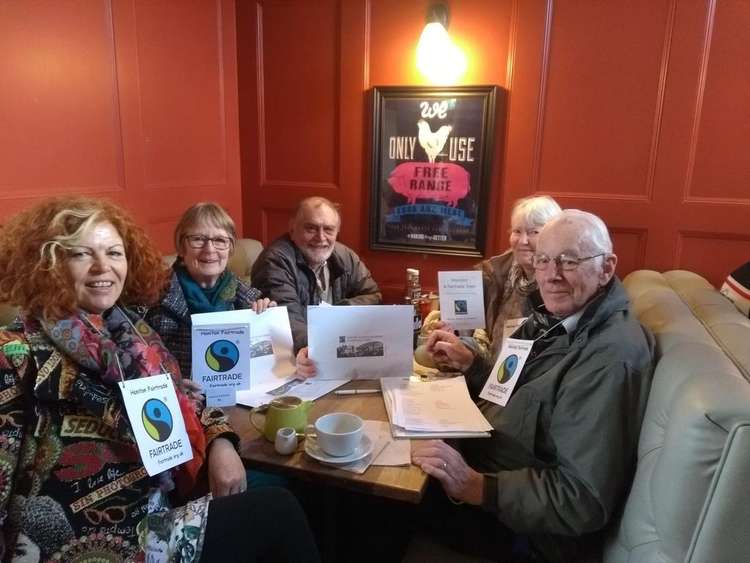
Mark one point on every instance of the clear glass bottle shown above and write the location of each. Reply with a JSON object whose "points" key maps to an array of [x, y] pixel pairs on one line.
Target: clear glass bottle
{"points": [[413, 297]]}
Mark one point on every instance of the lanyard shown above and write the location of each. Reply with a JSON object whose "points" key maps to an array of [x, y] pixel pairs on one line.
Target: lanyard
{"points": [[544, 333]]}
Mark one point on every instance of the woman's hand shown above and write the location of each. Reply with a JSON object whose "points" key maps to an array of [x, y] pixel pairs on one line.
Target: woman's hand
{"points": [[439, 460], [305, 366], [226, 474], [260, 305], [448, 350]]}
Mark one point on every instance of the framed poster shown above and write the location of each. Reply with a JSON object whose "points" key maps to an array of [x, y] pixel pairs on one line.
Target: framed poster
{"points": [[431, 163]]}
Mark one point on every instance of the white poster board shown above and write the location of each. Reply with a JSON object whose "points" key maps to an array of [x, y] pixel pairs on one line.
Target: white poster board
{"points": [[360, 341]]}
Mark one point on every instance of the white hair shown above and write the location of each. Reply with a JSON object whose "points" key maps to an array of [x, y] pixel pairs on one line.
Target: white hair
{"points": [[594, 236], [534, 211]]}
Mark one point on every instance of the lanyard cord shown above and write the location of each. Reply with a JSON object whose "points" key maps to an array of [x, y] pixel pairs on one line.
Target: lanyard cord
{"points": [[553, 327]]}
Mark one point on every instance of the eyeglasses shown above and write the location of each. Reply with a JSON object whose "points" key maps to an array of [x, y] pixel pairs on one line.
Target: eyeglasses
{"points": [[566, 263], [199, 241]]}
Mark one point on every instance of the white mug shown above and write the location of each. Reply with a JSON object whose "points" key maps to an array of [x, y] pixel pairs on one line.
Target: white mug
{"points": [[338, 433], [286, 440]]}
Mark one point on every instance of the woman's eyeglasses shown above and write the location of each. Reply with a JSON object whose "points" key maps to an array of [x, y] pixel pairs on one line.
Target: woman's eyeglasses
{"points": [[566, 263], [199, 241]]}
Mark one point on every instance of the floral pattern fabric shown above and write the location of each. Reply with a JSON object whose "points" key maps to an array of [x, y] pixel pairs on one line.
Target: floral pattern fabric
{"points": [[72, 485]]}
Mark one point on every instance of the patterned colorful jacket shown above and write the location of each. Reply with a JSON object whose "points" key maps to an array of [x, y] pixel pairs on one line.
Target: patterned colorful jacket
{"points": [[72, 487], [171, 318]]}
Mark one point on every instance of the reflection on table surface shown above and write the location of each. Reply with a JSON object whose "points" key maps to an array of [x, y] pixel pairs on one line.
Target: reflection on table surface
{"points": [[401, 483]]}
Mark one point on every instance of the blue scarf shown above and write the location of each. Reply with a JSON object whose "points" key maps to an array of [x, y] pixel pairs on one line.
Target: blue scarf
{"points": [[220, 297]]}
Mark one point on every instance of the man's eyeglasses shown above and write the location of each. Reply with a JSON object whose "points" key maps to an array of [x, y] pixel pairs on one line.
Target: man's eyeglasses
{"points": [[199, 241], [566, 263]]}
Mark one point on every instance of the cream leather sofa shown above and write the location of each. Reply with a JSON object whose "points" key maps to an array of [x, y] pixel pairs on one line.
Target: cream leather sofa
{"points": [[690, 499]]}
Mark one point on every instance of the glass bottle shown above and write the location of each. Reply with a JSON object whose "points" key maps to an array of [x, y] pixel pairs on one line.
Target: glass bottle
{"points": [[413, 298]]}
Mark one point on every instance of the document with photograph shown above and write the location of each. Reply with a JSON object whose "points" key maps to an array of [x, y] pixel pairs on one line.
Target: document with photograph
{"points": [[271, 349], [360, 341], [461, 299]]}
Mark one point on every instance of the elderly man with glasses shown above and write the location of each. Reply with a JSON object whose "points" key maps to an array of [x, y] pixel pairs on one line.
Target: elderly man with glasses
{"points": [[563, 449]]}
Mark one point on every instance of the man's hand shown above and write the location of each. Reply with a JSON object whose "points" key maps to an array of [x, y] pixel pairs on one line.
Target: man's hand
{"points": [[226, 474], [448, 351], [260, 305], [439, 460], [305, 366]]}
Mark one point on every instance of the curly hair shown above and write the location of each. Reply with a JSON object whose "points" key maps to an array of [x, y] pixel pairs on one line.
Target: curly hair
{"points": [[33, 252]]}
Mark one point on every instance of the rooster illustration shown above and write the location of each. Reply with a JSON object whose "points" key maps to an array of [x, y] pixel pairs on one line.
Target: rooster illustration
{"points": [[432, 143]]}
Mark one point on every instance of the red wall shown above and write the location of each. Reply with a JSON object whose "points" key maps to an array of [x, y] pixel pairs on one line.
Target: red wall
{"points": [[132, 100], [636, 111]]}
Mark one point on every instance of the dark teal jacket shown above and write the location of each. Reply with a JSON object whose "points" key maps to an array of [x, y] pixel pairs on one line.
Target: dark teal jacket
{"points": [[563, 450]]}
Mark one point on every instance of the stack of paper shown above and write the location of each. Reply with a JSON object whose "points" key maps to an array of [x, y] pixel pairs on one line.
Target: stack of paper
{"points": [[432, 409]]}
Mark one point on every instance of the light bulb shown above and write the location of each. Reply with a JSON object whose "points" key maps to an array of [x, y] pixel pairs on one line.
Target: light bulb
{"points": [[438, 58]]}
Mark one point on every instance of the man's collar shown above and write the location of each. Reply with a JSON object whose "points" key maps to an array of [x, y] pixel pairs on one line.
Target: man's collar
{"points": [[570, 323]]}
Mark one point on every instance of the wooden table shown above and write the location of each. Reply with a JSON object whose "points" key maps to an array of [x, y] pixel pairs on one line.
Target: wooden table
{"points": [[400, 483]]}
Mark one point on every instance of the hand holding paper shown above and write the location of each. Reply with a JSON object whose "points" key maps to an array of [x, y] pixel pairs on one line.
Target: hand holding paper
{"points": [[449, 351]]}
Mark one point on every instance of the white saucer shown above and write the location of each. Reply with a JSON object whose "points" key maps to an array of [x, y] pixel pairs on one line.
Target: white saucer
{"points": [[313, 450]]}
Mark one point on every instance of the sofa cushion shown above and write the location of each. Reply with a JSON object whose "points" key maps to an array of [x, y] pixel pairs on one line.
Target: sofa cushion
{"points": [[693, 448]]}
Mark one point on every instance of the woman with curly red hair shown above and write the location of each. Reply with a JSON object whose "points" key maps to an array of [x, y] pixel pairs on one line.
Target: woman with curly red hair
{"points": [[73, 484]]}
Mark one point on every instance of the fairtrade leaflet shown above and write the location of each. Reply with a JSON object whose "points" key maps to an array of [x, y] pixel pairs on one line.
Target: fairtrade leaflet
{"points": [[360, 341], [157, 423], [221, 354], [462, 299]]}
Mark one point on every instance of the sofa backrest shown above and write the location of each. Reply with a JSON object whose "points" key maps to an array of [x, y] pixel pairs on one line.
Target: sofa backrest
{"points": [[688, 501]]}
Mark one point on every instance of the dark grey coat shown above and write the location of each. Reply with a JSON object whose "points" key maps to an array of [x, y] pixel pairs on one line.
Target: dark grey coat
{"points": [[282, 274], [563, 450]]}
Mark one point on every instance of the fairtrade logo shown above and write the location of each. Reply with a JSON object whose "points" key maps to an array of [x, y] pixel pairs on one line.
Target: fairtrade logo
{"points": [[507, 369], [157, 420], [222, 355]]}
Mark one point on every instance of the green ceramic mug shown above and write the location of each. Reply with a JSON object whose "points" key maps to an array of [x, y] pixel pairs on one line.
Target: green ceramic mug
{"points": [[280, 413]]}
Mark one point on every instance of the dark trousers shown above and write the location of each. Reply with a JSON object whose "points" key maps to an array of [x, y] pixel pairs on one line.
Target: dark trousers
{"points": [[468, 529], [261, 525]]}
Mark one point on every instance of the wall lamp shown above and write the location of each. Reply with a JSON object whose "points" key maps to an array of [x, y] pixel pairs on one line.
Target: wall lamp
{"points": [[438, 58]]}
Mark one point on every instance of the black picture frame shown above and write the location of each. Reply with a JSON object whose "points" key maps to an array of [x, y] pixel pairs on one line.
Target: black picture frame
{"points": [[432, 153]]}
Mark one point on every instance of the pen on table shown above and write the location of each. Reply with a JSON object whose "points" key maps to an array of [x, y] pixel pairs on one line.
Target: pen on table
{"points": [[356, 391]]}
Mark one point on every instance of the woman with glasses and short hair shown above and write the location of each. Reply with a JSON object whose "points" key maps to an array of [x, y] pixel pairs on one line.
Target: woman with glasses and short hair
{"points": [[201, 283]]}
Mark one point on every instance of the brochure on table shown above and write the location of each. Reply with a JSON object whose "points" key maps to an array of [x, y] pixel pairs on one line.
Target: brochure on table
{"points": [[360, 341], [461, 299], [440, 408], [221, 354]]}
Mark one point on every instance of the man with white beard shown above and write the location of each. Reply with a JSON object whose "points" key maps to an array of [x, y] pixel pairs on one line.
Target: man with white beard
{"points": [[308, 266]]}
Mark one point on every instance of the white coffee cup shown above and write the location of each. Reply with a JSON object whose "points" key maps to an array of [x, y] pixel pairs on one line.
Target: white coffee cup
{"points": [[338, 433], [286, 441]]}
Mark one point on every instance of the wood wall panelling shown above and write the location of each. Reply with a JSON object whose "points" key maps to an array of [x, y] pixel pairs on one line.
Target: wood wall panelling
{"points": [[59, 109], [132, 100], [633, 112]]}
